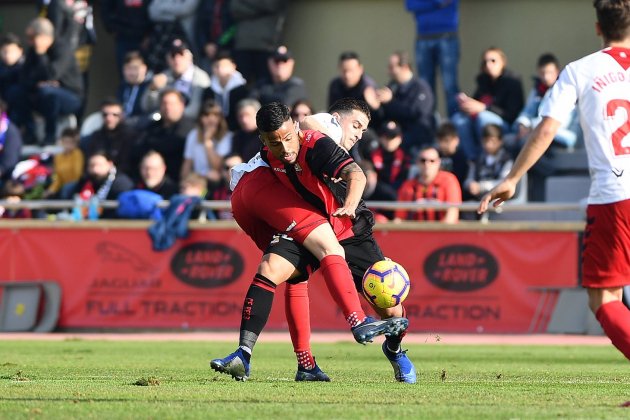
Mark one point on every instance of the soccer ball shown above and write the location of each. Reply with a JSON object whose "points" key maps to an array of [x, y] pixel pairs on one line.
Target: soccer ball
{"points": [[386, 284]]}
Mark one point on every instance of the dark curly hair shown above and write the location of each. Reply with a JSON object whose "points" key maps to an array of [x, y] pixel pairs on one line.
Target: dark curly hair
{"points": [[271, 116]]}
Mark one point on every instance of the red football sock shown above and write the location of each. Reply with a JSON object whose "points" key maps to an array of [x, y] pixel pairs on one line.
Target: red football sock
{"points": [[341, 287], [614, 318], [296, 306]]}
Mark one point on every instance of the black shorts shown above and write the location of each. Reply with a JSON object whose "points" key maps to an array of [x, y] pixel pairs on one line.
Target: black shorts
{"points": [[361, 253]]}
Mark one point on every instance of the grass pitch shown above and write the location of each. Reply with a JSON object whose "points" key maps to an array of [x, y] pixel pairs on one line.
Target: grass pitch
{"points": [[163, 380]]}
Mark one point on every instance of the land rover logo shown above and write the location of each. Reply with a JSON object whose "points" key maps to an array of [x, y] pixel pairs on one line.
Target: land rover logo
{"points": [[461, 268], [207, 265]]}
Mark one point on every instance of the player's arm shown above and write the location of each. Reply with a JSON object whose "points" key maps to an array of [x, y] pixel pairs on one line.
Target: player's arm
{"points": [[328, 160], [539, 141], [356, 181]]}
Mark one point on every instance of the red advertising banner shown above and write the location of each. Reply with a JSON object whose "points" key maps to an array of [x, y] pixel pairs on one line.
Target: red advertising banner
{"points": [[462, 281]]}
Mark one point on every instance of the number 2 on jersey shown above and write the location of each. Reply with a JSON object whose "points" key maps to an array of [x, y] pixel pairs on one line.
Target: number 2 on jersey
{"points": [[624, 130]]}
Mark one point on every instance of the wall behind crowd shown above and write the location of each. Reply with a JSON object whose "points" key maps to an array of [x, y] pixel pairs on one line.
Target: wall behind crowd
{"points": [[318, 30]]}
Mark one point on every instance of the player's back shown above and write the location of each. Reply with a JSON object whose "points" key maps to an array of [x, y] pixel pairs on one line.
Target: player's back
{"points": [[600, 84]]}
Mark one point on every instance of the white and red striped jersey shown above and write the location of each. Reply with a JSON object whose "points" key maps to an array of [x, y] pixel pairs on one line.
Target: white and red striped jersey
{"points": [[600, 86]]}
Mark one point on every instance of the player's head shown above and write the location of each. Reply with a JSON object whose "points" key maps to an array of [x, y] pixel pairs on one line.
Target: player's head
{"points": [[353, 116], [278, 131], [613, 19]]}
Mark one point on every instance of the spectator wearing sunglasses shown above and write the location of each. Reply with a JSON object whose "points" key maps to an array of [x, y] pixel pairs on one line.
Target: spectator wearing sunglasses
{"points": [[498, 99], [116, 136], [431, 185]]}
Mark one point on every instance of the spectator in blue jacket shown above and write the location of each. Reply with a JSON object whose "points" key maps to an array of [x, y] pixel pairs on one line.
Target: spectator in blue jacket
{"points": [[437, 44]]}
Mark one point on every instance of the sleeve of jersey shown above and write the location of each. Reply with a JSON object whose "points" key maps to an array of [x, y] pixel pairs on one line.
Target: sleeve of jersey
{"points": [[326, 158], [562, 98]]}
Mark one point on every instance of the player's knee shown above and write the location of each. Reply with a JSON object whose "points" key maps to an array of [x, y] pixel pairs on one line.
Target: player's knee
{"points": [[278, 270], [384, 313], [599, 297]]}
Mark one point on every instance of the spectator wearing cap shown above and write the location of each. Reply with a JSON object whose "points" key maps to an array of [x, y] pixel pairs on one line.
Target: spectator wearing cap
{"points": [[282, 86], [259, 26], [183, 75], [227, 87], [391, 162], [352, 81], [50, 81], [171, 20]]}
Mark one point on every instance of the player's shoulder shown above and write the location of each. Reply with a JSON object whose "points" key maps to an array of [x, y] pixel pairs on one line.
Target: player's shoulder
{"points": [[314, 137], [589, 62]]}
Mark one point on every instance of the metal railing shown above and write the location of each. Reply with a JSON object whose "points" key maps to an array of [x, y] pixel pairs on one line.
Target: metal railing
{"points": [[61, 205]]}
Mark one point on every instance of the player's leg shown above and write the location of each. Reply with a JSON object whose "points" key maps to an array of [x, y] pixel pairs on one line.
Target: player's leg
{"points": [[606, 269], [272, 271], [361, 253], [613, 316], [286, 212]]}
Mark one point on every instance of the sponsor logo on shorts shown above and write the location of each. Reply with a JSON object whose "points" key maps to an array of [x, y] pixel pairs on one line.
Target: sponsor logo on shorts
{"points": [[461, 268], [207, 265]]}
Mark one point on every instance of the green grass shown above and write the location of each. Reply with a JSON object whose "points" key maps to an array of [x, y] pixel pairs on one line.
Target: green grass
{"points": [[161, 380]]}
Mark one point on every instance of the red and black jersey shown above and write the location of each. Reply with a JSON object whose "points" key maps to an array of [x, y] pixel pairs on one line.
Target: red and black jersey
{"points": [[319, 160]]}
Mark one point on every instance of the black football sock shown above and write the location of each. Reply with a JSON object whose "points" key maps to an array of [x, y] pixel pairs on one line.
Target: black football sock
{"points": [[393, 341], [256, 309]]}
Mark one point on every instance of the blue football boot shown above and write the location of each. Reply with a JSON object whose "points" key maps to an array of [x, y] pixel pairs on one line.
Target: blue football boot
{"points": [[311, 375], [404, 371], [234, 365]]}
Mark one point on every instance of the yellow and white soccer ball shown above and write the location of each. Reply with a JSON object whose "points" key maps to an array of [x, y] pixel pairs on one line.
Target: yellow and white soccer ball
{"points": [[386, 284]]}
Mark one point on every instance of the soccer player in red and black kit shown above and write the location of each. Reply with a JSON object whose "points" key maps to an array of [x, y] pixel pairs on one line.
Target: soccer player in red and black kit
{"points": [[290, 217], [309, 163]]}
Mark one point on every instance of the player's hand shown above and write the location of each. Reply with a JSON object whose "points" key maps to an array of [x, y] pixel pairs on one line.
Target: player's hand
{"points": [[345, 212], [498, 195]]}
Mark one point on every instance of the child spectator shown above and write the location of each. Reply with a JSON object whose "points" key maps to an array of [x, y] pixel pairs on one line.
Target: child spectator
{"points": [[195, 185], [13, 192], [493, 164], [11, 60], [67, 166], [451, 154]]}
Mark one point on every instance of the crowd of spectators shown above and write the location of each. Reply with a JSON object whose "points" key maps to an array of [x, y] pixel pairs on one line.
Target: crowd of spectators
{"points": [[193, 76]]}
